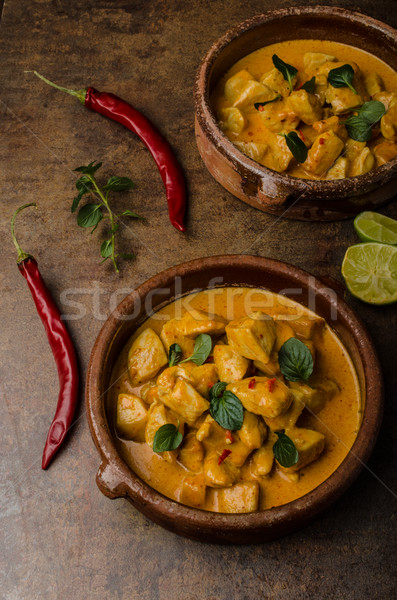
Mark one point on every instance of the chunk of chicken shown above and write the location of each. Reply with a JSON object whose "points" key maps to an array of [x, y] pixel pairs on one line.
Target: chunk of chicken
{"points": [[240, 498], [146, 357], [373, 83], [203, 377], [191, 453], [170, 335], [309, 444], [158, 416], [313, 60], [274, 80], [324, 152], [258, 399], [331, 124], [252, 337], [131, 417], [197, 321], [193, 491], [235, 85], [214, 437], [284, 332], [262, 459], [306, 326], [306, 106], [389, 99], [315, 395], [342, 99], [353, 149], [253, 431], [320, 88], [272, 368], [254, 150], [363, 163], [279, 116], [205, 429], [282, 155], [339, 169], [252, 92], [384, 151], [230, 364], [289, 418], [388, 123], [219, 475], [177, 392], [231, 119]]}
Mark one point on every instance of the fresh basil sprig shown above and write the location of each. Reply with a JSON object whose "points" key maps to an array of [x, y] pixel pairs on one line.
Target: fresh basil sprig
{"points": [[342, 77], [225, 407], [285, 451], [295, 360], [174, 355], [91, 214], [310, 85], [359, 126], [287, 71], [202, 349], [167, 437], [296, 146], [259, 104]]}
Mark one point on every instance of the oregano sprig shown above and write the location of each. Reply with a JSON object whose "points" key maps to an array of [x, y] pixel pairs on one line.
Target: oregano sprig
{"points": [[91, 214]]}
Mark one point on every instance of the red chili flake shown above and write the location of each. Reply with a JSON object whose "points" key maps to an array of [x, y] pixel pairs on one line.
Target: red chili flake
{"points": [[229, 436], [302, 137], [321, 141], [271, 384], [224, 455], [251, 133], [210, 384], [260, 108], [261, 335], [251, 384], [210, 359]]}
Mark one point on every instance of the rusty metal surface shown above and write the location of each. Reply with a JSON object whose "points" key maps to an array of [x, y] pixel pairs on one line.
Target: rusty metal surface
{"points": [[60, 537]]}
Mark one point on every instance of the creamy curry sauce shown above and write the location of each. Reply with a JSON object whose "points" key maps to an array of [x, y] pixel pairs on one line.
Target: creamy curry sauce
{"points": [[256, 133], [338, 420]]}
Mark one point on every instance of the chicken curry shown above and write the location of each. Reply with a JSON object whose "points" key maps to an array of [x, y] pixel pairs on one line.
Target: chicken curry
{"points": [[234, 400], [314, 109]]}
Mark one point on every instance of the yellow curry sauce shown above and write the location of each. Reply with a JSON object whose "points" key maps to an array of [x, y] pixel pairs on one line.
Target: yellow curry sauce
{"points": [[317, 117], [338, 420]]}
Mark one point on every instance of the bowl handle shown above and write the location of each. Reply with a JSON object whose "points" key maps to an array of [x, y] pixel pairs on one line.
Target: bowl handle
{"points": [[110, 481]]}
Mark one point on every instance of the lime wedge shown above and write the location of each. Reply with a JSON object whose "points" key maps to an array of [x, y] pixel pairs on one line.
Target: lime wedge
{"points": [[370, 272], [373, 227]]}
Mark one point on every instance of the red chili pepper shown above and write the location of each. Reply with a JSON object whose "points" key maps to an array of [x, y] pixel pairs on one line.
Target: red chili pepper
{"points": [[115, 108], [271, 384], [251, 384], [224, 455], [61, 346], [229, 436]]}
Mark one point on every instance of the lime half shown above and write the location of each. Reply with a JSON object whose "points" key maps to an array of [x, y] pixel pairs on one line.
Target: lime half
{"points": [[370, 272], [373, 227]]}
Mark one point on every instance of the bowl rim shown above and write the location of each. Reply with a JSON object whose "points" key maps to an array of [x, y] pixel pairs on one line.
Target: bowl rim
{"points": [[208, 123], [127, 483]]}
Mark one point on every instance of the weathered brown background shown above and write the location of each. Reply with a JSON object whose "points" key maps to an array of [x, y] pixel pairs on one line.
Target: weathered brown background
{"points": [[60, 537]]}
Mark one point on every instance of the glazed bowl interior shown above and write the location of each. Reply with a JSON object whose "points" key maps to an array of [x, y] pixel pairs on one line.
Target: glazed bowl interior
{"points": [[259, 186], [116, 479]]}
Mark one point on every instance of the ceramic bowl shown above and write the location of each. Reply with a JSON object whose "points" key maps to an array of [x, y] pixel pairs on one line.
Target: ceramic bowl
{"points": [[263, 188], [115, 479]]}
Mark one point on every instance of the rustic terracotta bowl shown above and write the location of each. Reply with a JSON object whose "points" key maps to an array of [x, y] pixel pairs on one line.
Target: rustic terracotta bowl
{"points": [[115, 479], [273, 192]]}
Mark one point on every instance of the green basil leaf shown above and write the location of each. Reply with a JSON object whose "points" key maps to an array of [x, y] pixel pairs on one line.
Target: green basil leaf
{"points": [[258, 104], [89, 169], [167, 437], [285, 451], [202, 349], [372, 111], [119, 184], [227, 410], [90, 215], [309, 86], [76, 201], [129, 213], [297, 147], [287, 71], [295, 360], [174, 355], [217, 389], [84, 184], [127, 256], [106, 249], [342, 77], [358, 129]]}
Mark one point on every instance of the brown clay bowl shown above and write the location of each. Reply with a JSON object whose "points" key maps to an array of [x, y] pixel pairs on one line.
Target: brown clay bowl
{"points": [[115, 479], [273, 192]]}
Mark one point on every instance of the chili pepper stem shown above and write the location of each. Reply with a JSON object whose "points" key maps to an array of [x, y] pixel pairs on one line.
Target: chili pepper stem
{"points": [[21, 254], [80, 94], [112, 221]]}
